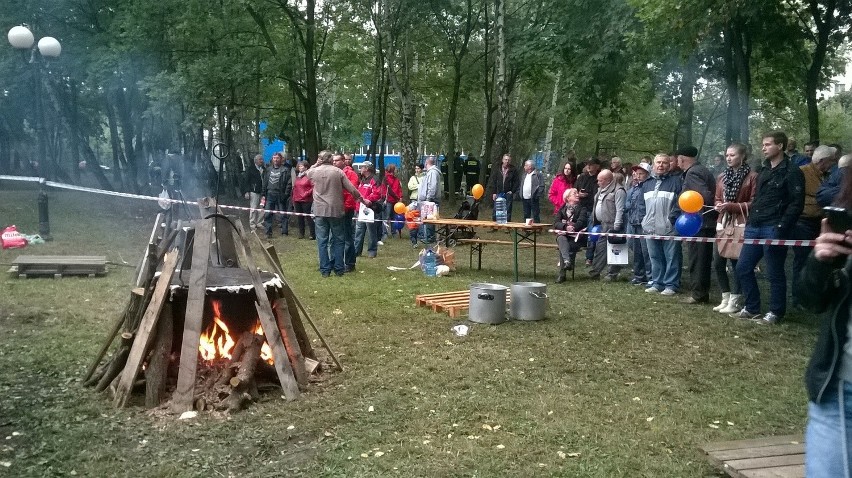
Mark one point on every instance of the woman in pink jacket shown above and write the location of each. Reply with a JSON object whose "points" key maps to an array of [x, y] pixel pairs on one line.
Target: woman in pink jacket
{"points": [[303, 190], [563, 181]]}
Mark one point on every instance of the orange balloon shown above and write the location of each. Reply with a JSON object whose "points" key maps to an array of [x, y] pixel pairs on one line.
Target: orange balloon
{"points": [[477, 191], [690, 201], [399, 208]]}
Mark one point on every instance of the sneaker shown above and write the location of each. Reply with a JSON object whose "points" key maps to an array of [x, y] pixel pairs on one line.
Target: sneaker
{"points": [[652, 290], [326, 274], [668, 291], [588, 263], [635, 281], [610, 278], [348, 268], [744, 315], [381, 243], [769, 319]]}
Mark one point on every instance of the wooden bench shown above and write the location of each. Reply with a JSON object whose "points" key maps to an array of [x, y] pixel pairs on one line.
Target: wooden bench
{"points": [[476, 245], [58, 266], [778, 457]]}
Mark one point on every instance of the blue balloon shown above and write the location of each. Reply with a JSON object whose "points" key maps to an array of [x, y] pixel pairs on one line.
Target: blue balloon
{"points": [[593, 237], [688, 224]]}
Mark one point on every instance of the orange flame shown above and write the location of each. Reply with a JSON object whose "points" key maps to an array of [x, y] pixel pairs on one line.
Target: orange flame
{"points": [[216, 342]]}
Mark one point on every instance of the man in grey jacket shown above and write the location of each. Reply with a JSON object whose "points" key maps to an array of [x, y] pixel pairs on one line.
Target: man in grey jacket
{"points": [[661, 211], [532, 188], [608, 211]]}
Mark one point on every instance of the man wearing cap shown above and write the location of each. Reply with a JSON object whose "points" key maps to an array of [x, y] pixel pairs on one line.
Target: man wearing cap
{"points": [[372, 191], [634, 208], [807, 226], [698, 178], [587, 186], [329, 184]]}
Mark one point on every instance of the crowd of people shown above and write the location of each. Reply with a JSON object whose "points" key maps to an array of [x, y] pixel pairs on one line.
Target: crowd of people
{"points": [[324, 199], [782, 199]]}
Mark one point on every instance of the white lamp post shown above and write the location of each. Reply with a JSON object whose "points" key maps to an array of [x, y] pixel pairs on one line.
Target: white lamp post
{"points": [[22, 38]]}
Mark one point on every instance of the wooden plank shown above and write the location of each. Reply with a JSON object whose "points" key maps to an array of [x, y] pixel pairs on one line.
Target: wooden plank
{"points": [[756, 452], [752, 443], [144, 267], [65, 260], [291, 343], [182, 398], [272, 258], [270, 326], [156, 375], [143, 336], [792, 471], [766, 462]]}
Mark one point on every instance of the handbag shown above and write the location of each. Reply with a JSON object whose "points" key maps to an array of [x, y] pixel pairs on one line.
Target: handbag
{"points": [[729, 235]]}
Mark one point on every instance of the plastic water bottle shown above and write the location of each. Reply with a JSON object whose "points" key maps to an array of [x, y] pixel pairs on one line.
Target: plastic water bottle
{"points": [[430, 263], [500, 210]]}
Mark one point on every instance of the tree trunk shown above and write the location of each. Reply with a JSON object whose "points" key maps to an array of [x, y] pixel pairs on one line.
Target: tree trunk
{"points": [[824, 25], [312, 134], [548, 137], [124, 118], [116, 145], [505, 127]]}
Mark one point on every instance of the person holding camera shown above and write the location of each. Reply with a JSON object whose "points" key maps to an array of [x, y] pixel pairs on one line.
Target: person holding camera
{"points": [[825, 284]]}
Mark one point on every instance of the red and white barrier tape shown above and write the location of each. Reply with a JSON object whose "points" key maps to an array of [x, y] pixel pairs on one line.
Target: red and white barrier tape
{"points": [[764, 242]]}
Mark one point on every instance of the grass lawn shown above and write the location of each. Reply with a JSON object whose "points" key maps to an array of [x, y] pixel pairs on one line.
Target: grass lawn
{"points": [[615, 382]]}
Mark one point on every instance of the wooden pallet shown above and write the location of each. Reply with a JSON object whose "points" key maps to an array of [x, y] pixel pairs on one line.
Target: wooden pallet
{"points": [[453, 303], [58, 266], [776, 457]]}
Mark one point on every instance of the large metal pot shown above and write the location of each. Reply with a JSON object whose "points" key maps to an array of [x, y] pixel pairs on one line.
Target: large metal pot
{"points": [[487, 303], [529, 300]]}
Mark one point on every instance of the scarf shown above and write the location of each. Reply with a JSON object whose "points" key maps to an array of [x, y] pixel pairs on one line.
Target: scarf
{"points": [[733, 180], [570, 209]]}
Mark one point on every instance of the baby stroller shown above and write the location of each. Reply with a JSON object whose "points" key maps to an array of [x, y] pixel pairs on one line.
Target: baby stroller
{"points": [[470, 211]]}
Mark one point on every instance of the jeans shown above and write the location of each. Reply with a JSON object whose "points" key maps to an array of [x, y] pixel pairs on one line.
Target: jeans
{"points": [[361, 229], [720, 266], [599, 261], [666, 263], [700, 256], [275, 202], [304, 208], [349, 238], [805, 229], [531, 209], [641, 259], [775, 257], [330, 244], [827, 437]]}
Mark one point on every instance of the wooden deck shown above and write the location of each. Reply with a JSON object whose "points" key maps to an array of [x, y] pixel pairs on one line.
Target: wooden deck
{"points": [[453, 303], [773, 457], [58, 266]]}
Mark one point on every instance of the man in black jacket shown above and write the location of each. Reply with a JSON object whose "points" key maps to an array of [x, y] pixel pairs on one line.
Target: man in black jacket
{"points": [[506, 182], [253, 188], [698, 178], [778, 203], [277, 187], [587, 186]]}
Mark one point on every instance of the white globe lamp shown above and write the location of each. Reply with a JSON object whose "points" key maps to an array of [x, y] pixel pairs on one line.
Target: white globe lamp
{"points": [[21, 37], [49, 47]]}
